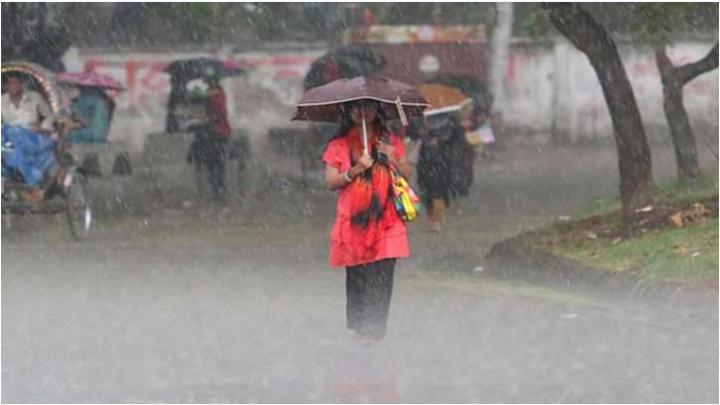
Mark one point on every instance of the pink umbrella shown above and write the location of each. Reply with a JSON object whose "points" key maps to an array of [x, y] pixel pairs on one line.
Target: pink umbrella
{"points": [[90, 79]]}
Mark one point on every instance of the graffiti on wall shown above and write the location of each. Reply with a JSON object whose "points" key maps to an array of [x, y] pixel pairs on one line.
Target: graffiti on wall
{"points": [[148, 86], [274, 82]]}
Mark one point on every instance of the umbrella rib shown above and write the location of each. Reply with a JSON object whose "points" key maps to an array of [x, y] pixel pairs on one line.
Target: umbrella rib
{"points": [[450, 108], [360, 98]]}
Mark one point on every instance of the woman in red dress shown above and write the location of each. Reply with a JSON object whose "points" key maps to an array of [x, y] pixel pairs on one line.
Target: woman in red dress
{"points": [[368, 235]]}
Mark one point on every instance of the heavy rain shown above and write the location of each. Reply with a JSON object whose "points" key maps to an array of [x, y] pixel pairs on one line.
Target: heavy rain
{"points": [[360, 202]]}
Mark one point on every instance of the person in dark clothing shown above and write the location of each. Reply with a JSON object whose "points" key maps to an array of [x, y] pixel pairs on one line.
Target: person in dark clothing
{"points": [[209, 149], [444, 169], [178, 94], [368, 290]]}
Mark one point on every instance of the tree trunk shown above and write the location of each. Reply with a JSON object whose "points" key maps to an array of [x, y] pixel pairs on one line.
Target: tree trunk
{"points": [[680, 130], [499, 59], [634, 159], [673, 79]]}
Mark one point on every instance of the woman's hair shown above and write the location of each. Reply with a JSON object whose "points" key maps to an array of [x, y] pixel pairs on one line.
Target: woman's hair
{"points": [[346, 122]]}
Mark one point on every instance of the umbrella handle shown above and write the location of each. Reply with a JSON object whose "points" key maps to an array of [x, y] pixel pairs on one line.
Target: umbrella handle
{"points": [[365, 135], [401, 112]]}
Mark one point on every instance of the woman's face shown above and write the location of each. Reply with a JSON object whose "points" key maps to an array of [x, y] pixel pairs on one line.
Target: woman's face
{"points": [[356, 112]]}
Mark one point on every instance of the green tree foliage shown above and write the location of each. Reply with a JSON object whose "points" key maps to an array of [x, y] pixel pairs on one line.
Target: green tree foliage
{"points": [[642, 22], [190, 23], [27, 34], [172, 24], [531, 21]]}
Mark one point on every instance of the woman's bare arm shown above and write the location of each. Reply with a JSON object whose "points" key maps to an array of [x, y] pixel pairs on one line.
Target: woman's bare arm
{"points": [[335, 179]]}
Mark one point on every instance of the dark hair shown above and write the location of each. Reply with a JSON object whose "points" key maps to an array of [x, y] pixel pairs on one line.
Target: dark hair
{"points": [[8, 75], [346, 122], [378, 124]]}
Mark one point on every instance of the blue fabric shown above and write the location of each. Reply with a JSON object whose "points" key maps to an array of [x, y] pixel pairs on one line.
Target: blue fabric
{"points": [[93, 111], [32, 154]]}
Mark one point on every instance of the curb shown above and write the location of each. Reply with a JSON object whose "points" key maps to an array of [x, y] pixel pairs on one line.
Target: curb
{"points": [[516, 260]]}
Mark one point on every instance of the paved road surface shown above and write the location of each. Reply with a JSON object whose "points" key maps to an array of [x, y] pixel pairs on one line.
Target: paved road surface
{"points": [[238, 305]]}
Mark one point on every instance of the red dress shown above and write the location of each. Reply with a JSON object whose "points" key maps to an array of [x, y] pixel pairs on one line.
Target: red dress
{"points": [[348, 243]]}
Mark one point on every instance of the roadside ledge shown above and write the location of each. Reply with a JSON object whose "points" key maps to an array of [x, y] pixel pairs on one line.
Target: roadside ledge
{"points": [[518, 260]]}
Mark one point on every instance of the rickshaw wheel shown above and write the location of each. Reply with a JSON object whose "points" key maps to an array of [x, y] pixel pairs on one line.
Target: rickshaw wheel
{"points": [[78, 209]]}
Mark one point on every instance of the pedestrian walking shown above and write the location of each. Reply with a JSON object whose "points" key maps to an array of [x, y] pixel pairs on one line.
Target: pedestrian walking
{"points": [[368, 235], [209, 149], [444, 169], [445, 161]]}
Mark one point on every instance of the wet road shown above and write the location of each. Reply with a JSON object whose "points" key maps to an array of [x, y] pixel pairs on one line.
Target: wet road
{"points": [[206, 305]]}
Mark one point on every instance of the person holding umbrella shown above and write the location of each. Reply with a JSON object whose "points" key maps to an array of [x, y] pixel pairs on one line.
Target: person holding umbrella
{"points": [[219, 129], [211, 127], [368, 235], [209, 148], [444, 168]]}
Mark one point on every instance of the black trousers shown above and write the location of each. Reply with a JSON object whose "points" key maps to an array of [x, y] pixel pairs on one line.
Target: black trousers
{"points": [[210, 150], [369, 290]]}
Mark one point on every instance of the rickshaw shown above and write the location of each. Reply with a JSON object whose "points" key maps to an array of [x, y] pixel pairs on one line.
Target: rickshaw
{"points": [[95, 95], [65, 193]]}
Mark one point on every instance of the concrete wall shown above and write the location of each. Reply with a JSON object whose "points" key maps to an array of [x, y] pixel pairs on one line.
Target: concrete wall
{"points": [[551, 89], [261, 99]]}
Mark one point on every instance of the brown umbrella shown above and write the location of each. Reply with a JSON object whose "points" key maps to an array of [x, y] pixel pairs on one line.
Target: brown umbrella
{"points": [[397, 100], [444, 99], [323, 103]]}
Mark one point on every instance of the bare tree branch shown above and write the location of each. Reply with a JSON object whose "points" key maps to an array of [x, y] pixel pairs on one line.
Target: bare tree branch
{"points": [[692, 70]]}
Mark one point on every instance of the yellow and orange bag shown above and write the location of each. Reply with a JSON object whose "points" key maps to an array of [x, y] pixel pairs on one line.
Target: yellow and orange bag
{"points": [[406, 202]]}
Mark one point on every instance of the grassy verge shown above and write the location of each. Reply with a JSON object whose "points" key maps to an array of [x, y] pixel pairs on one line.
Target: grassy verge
{"points": [[668, 192], [658, 249]]}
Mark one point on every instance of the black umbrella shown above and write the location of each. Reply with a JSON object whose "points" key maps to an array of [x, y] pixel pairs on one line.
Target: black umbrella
{"points": [[194, 68], [344, 62]]}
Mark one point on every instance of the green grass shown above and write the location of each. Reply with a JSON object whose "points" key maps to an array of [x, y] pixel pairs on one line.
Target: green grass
{"points": [[670, 192], [673, 191], [684, 255], [598, 206], [687, 255]]}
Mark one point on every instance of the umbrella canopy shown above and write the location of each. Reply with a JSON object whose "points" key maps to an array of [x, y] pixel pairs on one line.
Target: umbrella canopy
{"points": [[347, 61], [443, 99], [323, 103], [90, 79], [188, 69]]}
